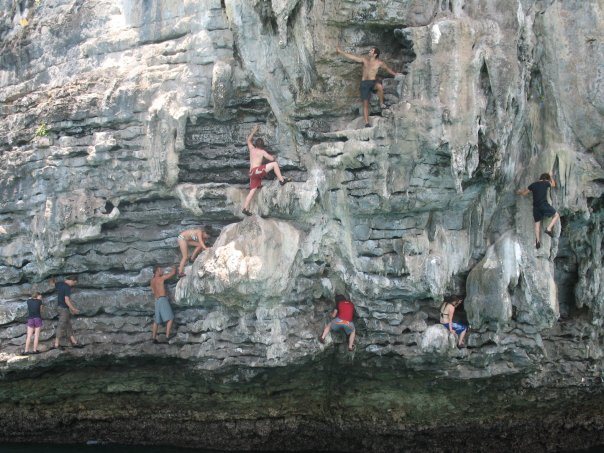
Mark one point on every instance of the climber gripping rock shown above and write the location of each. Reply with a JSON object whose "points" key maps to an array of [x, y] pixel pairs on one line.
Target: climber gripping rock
{"points": [[163, 310], [194, 237], [447, 310], [34, 321], [369, 83], [258, 170], [66, 310], [541, 208], [342, 316]]}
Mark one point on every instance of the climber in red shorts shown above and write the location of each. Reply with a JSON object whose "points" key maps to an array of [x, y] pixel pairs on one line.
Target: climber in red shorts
{"points": [[258, 171]]}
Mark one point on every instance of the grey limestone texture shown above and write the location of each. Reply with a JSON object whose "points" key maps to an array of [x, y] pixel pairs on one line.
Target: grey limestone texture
{"points": [[125, 122]]}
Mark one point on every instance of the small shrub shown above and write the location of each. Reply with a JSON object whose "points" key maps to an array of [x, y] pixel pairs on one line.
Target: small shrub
{"points": [[42, 130]]}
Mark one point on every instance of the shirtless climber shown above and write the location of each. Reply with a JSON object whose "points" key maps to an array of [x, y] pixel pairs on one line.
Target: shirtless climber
{"points": [[371, 65], [163, 310], [541, 208], [258, 171]]}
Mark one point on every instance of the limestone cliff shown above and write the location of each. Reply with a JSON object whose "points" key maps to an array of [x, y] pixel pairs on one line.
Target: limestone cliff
{"points": [[125, 122]]}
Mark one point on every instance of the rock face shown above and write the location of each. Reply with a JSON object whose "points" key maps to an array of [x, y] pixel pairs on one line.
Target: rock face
{"points": [[125, 123]]}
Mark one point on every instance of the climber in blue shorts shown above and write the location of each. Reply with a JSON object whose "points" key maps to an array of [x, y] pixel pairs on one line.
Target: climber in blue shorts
{"points": [[163, 310], [447, 309]]}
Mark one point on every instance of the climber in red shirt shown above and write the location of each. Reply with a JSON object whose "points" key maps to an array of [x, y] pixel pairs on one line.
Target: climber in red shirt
{"points": [[342, 314]]}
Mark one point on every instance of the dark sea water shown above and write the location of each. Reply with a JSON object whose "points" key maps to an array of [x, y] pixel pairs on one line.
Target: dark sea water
{"points": [[29, 448], [34, 448]]}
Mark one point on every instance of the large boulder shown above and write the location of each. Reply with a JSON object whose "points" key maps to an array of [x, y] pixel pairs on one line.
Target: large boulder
{"points": [[437, 339], [511, 283], [251, 261]]}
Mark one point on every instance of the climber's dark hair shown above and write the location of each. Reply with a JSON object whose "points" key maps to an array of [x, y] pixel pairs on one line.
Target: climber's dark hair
{"points": [[376, 51], [544, 177], [259, 143], [340, 298], [454, 300]]}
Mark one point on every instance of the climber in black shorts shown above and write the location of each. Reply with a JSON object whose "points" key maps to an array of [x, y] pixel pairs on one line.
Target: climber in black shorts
{"points": [[541, 207], [368, 87], [371, 65]]}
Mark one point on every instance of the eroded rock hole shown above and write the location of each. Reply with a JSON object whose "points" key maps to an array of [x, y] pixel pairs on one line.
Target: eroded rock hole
{"points": [[488, 157], [566, 277], [267, 16], [593, 148], [109, 226], [485, 86], [535, 89], [513, 107], [485, 81], [595, 203], [446, 5], [108, 207], [405, 45], [292, 17]]}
